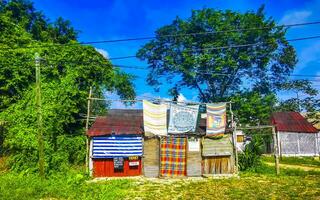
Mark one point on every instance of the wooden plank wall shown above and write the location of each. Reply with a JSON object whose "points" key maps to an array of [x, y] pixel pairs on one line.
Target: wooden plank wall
{"points": [[194, 160], [151, 163], [105, 168]]}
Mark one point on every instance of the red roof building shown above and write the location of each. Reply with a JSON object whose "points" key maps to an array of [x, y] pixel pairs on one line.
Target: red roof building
{"points": [[297, 136], [116, 144], [292, 122]]}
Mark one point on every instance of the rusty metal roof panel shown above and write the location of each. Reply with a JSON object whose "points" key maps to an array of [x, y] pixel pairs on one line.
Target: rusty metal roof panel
{"points": [[118, 122], [292, 122]]}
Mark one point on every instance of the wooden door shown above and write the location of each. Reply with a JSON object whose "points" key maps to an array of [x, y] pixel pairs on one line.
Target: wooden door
{"points": [[217, 165], [151, 160]]}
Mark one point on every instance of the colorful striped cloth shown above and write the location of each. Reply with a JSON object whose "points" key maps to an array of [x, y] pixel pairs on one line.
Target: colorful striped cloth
{"points": [[173, 156], [154, 119], [116, 146], [183, 119], [216, 119]]}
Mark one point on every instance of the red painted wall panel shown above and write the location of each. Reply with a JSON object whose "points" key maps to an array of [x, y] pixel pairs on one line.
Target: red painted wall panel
{"points": [[105, 168]]}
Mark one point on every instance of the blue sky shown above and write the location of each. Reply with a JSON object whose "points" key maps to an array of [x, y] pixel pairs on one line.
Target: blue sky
{"points": [[116, 19]]}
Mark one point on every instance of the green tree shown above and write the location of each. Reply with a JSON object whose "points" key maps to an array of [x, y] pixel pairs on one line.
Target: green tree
{"points": [[253, 108], [67, 73], [189, 62], [306, 100]]}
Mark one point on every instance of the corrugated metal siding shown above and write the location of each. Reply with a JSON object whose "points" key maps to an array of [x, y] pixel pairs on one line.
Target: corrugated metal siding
{"points": [[292, 122], [217, 147], [117, 146], [194, 160], [105, 168], [151, 160], [298, 144]]}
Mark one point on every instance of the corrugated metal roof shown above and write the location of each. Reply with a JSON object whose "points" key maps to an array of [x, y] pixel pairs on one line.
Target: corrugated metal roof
{"points": [[118, 121], [292, 122]]}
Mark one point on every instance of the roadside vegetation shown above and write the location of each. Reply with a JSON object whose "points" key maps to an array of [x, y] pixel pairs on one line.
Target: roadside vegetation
{"points": [[256, 183]]}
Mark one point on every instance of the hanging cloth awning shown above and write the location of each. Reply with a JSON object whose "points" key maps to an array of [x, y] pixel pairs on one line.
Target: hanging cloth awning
{"points": [[183, 119], [216, 119], [117, 146], [154, 119]]}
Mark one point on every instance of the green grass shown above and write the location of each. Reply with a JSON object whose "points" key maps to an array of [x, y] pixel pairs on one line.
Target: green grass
{"points": [[303, 161], [261, 183], [59, 186]]}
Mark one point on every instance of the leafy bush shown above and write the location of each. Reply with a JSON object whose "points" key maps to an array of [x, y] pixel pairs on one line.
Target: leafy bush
{"points": [[250, 158]]}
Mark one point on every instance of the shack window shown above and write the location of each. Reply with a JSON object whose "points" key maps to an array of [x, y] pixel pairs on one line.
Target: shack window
{"points": [[240, 138]]}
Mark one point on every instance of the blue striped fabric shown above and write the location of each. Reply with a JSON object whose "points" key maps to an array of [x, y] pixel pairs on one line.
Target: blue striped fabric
{"points": [[117, 146]]}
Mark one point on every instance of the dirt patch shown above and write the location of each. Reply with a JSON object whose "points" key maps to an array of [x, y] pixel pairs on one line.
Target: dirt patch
{"points": [[305, 168]]}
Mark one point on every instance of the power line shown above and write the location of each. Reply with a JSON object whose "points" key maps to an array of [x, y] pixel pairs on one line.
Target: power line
{"points": [[222, 47], [145, 68], [203, 72], [153, 99], [226, 47], [165, 36], [198, 72]]}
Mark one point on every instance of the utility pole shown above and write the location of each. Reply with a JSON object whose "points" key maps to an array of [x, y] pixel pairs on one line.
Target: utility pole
{"points": [[234, 139], [87, 128], [39, 117]]}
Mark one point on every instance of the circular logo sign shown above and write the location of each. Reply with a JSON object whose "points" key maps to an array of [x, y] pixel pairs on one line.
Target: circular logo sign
{"points": [[183, 121]]}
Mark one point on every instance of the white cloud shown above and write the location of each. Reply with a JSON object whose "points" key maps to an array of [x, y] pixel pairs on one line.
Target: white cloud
{"points": [[103, 52], [295, 17], [309, 54], [181, 98], [318, 76], [118, 104]]}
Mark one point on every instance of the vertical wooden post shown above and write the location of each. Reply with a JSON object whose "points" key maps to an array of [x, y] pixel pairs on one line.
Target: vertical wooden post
{"points": [[317, 153], [39, 117], [235, 149], [276, 151], [234, 138], [298, 142], [87, 128], [279, 145]]}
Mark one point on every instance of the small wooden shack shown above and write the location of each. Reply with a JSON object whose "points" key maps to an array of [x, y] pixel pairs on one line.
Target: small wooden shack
{"points": [[217, 156], [118, 147], [297, 136], [116, 144]]}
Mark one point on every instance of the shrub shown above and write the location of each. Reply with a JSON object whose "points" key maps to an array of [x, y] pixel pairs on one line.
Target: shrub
{"points": [[250, 158]]}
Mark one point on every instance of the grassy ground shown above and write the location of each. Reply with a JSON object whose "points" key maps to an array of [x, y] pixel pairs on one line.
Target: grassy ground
{"points": [[259, 184]]}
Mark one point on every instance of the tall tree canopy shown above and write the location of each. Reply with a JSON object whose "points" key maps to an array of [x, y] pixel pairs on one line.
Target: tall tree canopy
{"points": [[189, 59], [67, 73]]}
